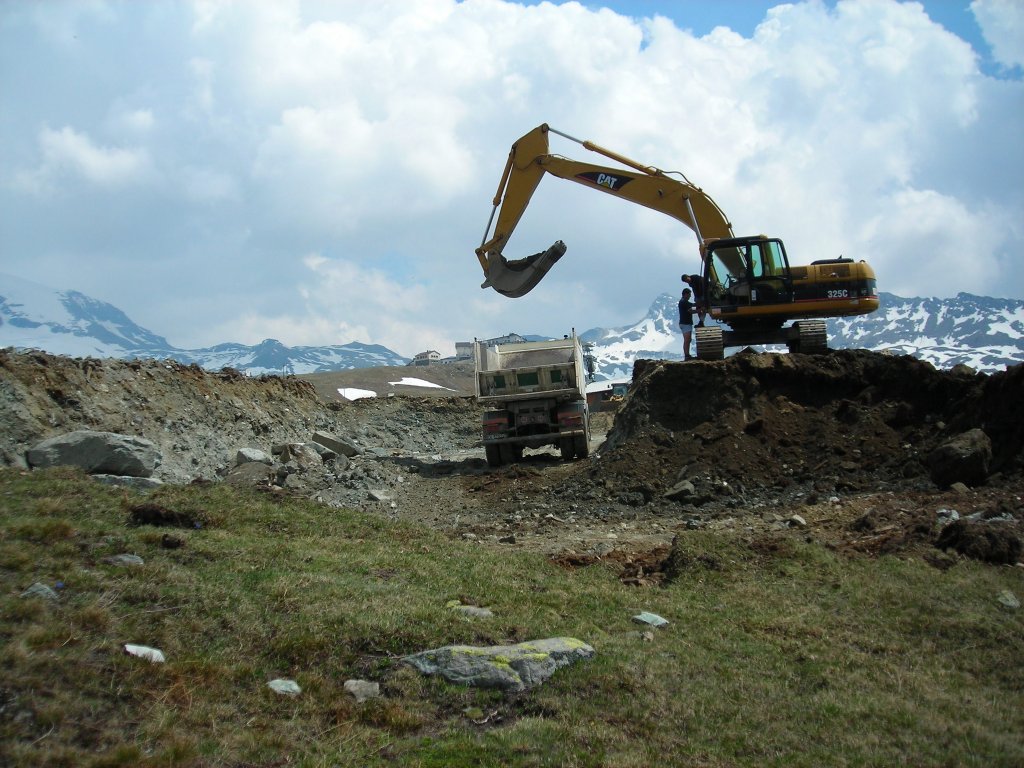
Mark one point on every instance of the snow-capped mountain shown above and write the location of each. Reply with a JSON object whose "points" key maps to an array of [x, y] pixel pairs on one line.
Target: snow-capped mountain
{"points": [[985, 333], [33, 316]]}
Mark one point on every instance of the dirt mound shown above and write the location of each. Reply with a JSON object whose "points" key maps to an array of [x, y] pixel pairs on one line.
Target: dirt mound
{"points": [[817, 424]]}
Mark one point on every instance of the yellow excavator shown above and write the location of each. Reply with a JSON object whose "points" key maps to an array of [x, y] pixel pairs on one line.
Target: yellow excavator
{"points": [[748, 285]]}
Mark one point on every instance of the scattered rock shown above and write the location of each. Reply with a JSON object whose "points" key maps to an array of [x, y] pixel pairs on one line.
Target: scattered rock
{"points": [[251, 473], [507, 667], [98, 453], [247, 455], [302, 455], [337, 444], [681, 491], [1008, 599], [145, 652], [981, 541], [474, 611], [796, 521], [284, 687], [651, 619], [124, 560], [964, 459], [40, 590], [362, 690]]}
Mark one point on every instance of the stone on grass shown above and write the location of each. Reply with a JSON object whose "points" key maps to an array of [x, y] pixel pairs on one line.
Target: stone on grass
{"points": [[507, 667], [362, 690], [651, 619], [125, 560], [473, 611], [284, 687], [1008, 599], [98, 453], [145, 652], [40, 590]]}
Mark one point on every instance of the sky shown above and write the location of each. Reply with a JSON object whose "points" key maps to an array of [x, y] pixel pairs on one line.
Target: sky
{"points": [[321, 172]]}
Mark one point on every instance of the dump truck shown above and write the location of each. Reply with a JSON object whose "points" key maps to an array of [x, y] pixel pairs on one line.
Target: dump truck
{"points": [[534, 393]]}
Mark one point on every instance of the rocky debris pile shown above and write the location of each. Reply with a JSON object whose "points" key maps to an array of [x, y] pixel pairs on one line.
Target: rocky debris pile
{"points": [[197, 420]]}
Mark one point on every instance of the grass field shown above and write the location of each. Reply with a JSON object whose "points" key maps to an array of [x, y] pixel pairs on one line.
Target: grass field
{"points": [[780, 655]]}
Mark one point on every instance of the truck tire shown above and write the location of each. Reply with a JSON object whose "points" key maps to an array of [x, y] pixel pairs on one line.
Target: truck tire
{"points": [[710, 344], [567, 449], [493, 454], [508, 453], [581, 446]]}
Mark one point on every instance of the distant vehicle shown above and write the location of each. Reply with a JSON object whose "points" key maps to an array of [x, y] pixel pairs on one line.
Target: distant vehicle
{"points": [[535, 393], [748, 283]]}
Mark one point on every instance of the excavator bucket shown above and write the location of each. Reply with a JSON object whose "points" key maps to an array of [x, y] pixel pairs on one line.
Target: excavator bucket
{"points": [[518, 277]]}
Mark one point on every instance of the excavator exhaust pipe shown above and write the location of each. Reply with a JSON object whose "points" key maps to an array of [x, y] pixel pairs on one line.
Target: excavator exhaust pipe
{"points": [[518, 277]]}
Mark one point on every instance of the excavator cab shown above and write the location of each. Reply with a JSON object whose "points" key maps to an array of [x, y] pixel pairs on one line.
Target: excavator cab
{"points": [[747, 271]]}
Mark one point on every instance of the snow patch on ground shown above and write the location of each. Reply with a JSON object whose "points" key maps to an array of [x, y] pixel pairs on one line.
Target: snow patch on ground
{"points": [[410, 382], [352, 393]]}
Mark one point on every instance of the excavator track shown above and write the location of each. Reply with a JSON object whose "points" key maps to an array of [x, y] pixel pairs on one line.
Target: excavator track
{"points": [[710, 344], [812, 337]]}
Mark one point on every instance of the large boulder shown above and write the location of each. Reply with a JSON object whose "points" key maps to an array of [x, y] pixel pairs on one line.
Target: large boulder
{"points": [[964, 459], [508, 667], [98, 453]]}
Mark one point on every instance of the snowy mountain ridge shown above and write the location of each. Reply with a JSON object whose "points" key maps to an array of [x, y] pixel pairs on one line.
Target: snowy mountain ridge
{"points": [[33, 316], [984, 333]]}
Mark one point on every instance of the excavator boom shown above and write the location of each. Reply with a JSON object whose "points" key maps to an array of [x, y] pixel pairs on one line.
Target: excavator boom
{"points": [[528, 162]]}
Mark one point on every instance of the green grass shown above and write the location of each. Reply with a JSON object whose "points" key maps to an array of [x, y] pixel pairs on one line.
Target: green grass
{"points": [[783, 655]]}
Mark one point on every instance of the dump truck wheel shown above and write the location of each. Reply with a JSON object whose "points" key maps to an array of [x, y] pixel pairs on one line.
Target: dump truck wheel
{"points": [[566, 448], [581, 447], [710, 344], [493, 454], [508, 453]]}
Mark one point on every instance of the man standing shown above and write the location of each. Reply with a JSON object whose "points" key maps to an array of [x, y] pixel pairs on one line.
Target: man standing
{"points": [[697, 285], [686, 309]]}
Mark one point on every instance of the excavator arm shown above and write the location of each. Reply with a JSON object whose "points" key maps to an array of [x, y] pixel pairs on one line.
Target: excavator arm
{"points": [[529, 160]]}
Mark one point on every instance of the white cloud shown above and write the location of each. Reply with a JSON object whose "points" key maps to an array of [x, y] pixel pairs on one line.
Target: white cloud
{"points": [[375, 133], [342, 302], [66, 152], [1002, 23]]}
